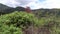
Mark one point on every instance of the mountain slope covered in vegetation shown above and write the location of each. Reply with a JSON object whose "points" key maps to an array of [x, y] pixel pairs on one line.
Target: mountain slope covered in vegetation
{"points": [[17, 21]]}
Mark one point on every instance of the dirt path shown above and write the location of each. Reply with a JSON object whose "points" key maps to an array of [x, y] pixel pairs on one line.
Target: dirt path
{"points": [[35, 30]]}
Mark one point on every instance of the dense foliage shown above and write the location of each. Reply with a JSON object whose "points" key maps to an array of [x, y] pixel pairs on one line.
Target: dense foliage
{"points": [[51, 19], [14, 22]]}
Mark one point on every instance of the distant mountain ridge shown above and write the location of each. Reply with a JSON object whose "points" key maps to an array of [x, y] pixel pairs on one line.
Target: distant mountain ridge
{"points": [[6, 9]]}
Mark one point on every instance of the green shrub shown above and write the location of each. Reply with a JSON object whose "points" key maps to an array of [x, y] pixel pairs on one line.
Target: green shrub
{"points": [[14, 22], [4, 29], [18, 19]]}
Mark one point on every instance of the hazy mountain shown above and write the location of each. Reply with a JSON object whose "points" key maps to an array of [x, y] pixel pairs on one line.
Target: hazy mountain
{"points": [[5, 9], [19, 9], [46, 12]]}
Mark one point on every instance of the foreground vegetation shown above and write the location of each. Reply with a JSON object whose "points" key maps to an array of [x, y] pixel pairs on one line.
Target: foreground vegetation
{"points": [[16, 22]]}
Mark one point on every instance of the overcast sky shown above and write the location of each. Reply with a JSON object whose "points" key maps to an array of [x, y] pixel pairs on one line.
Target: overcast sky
{"points": [[33, 4]]}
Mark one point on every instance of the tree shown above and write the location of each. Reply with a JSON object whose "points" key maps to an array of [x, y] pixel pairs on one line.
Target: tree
{"points": [[28, 10]]}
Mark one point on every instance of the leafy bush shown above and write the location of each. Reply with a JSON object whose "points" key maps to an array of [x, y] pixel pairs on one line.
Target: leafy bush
{"points": [[4, 29], [14, 22], [18, 19]]}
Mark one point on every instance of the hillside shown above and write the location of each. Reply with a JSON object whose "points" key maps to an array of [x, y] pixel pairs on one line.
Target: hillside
{"points": [[5, 9], [45, 12], [45, 21]]}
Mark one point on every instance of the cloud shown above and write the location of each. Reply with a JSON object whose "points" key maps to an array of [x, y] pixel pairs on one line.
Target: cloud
{"points": [[24, 2], [14, 3], [11, 3], [34, 4], [45, 4], [51, 4]]}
